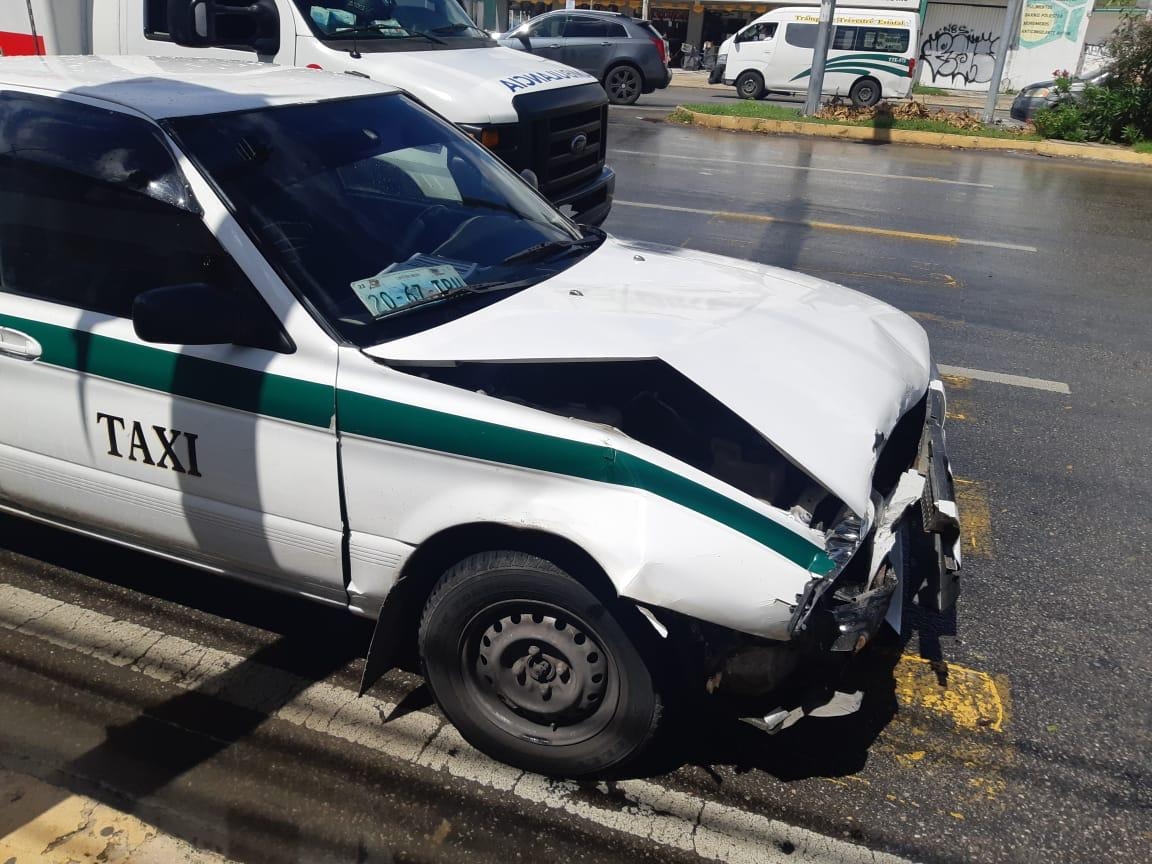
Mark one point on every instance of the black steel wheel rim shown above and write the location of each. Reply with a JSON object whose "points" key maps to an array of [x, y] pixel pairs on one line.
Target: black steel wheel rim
{"points": [[748, 86], [538, 672], [865, 93], [622, 83]]}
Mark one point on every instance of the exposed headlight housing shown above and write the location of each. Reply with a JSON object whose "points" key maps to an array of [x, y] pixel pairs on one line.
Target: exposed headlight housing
{"points": [[489, 136]]}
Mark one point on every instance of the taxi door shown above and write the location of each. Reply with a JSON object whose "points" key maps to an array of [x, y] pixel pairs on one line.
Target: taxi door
{"points": [[220, 453]]}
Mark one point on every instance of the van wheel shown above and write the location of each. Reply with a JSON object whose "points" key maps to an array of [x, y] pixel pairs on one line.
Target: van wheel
{"points": [[750, 85], [623, 85], [534, 669], [865, 92]]}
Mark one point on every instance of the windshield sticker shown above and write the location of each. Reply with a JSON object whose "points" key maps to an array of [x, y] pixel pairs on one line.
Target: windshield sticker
{"points": [[531, 79], [386, 292]]}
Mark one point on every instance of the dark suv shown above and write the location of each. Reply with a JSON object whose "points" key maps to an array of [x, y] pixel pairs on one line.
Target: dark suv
{"points": [[629, 57]]}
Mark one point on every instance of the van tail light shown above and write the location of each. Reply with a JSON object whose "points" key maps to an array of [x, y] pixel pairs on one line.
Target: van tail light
{"points": [[911, 66], [661, 48]]}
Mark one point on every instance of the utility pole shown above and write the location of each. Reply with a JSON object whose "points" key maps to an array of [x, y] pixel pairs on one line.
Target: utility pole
{"points": [[644, 11], [1011, 16], [819, 57]]}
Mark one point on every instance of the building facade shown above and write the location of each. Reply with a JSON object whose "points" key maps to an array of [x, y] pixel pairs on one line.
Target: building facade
{"points": [[959, 40]]}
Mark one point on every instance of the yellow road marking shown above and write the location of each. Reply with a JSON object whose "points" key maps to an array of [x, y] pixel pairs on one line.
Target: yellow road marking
{"points": [[971, 699], [936, 279], [975, 517], [441, 832], [54, 827], [765, 219]]}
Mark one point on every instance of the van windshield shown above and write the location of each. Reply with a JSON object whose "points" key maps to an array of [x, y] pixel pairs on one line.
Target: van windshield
{"points": [[381, 217], [404, 24]]}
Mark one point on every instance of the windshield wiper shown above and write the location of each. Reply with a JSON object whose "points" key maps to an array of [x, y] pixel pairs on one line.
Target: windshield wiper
{"points": [[384, 28], [459, 27], [550, 248]]}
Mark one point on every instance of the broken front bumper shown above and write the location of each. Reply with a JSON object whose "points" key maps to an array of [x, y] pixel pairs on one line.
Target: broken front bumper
{"points": [[913, 548]]}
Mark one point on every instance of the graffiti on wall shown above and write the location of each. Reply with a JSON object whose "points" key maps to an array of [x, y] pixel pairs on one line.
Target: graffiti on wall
{"points": [[956, 51]]}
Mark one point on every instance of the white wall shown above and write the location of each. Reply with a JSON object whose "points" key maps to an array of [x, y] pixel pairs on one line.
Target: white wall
{"points": [[959, 44]]}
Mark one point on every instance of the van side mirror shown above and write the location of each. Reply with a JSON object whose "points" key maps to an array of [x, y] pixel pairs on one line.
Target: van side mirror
{"points": [[244, 24], [193, 314]]}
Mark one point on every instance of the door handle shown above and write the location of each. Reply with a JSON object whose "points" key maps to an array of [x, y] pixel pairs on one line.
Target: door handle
{"points": [[554, 45], [605, 44], [17, 345]]}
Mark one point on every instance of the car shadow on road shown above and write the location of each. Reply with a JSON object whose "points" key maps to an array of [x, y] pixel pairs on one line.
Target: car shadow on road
{"points": [[714, 733]]}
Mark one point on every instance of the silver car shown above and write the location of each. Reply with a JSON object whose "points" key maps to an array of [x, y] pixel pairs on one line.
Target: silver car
{"points": [[628, 56]]}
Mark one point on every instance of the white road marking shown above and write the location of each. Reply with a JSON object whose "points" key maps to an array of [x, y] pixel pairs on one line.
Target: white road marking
{"points": [[789, 167], [1004, 378], [767, 218], [636, 807]]}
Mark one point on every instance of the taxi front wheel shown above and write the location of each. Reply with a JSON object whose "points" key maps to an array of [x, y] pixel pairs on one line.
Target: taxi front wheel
{"points": [[535, 670]]}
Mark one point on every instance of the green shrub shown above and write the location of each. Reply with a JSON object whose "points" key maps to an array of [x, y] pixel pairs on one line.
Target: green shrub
{"points": [[1121, 109], [1131, 79], [1063, 121], [1107, 111]]}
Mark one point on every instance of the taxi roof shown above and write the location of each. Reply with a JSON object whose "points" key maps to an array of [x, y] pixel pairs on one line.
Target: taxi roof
{"points": [[162, 87]]}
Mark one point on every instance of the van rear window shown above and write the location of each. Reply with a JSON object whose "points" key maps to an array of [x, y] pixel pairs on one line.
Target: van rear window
{"points": [[891, 39]]}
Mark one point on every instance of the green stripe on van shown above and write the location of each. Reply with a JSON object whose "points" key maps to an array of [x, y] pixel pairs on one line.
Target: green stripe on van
{"points": [[860, 64], [312, 404]]}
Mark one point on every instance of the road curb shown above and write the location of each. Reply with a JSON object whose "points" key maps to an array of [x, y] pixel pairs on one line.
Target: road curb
{"points": [[1062, 149]]}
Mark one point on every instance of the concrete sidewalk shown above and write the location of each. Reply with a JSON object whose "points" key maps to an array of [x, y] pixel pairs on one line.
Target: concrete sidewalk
{"points": [[955, 99]]}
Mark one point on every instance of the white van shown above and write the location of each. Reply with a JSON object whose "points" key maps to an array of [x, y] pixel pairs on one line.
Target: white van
{"points": [[533, 112], [872, 54]]}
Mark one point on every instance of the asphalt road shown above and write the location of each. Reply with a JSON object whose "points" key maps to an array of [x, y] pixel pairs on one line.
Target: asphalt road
{"points": [[225, 715]]}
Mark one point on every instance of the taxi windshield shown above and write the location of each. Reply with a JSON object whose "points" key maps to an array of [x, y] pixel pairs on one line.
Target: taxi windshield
{"points": [[373, 209], [373, 21]]}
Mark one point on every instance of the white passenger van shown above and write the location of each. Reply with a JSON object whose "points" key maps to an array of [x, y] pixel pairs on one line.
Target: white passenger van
{"points": [[535, 113], [872, 54]]}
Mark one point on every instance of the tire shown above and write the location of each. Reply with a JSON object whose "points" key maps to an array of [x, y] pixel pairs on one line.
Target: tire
{"points": [[865, 92], [623, 84], [749, 85], [535, 670]]}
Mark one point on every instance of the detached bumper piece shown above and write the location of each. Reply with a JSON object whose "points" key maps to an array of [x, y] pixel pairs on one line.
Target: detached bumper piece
{"points": [[939, 513]]}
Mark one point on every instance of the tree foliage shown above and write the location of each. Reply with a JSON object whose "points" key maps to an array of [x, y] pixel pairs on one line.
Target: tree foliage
{"points": [[1120, 109]]}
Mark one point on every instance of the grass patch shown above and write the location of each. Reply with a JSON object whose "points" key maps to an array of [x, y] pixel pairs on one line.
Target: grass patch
{"points": [[748, 108], [1142, 146], [925, 90]]}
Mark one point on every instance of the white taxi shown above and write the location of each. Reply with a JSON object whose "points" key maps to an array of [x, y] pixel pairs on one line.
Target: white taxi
{"points": [[295, 328]]}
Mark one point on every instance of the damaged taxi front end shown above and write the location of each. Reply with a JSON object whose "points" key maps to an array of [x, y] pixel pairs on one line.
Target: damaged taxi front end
{"points": [[784, 436]]}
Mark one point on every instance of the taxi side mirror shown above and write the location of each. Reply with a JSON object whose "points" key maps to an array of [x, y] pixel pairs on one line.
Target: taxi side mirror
{"points": [[250, 24], [193, 314]]}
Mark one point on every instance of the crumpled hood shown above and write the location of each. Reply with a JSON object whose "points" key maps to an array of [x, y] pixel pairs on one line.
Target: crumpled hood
{"points": [[823, 372], [471, 85]]}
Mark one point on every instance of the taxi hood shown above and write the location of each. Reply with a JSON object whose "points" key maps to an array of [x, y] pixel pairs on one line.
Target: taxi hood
{"points": [[821, 371], [471, 85]]}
